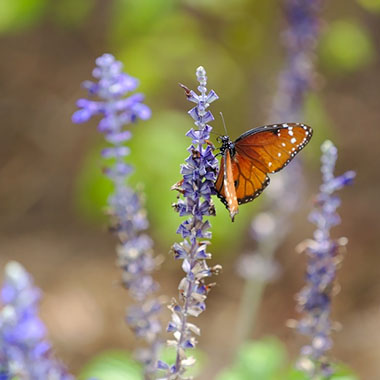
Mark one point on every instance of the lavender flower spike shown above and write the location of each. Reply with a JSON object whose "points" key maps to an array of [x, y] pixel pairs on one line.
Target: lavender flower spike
{"points": [[324, 257], [135, 253], [296, 79], [300, 40], [197, 186], [24, 351]]}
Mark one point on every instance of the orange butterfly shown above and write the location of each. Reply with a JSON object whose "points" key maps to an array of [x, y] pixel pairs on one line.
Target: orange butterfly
{"points": [[246, 162]]}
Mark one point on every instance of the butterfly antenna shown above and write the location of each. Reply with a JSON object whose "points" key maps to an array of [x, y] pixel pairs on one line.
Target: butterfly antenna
{"points": [[215, 133], [224, 124]]}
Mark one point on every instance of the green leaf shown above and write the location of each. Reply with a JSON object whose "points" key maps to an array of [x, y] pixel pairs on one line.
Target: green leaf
{"points": [[131, 18], [233, 374], [112, 365], [92, 187], [346, 47], [263, 358], [370, 5], [317, 117], [343, 373], [259, 360], [16, 15], [224, 8], [294, 374], [70, 13], [165, 56]]}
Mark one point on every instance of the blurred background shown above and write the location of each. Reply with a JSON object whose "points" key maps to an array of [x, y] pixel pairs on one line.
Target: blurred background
{"points": [[52, 192]]}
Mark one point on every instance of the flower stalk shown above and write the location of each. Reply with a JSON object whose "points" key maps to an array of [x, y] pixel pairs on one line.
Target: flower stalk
{"points": [[196, 187], [324, 257]]}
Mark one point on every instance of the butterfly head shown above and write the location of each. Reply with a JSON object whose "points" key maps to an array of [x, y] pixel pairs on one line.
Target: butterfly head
{"points": [[226, 144]]}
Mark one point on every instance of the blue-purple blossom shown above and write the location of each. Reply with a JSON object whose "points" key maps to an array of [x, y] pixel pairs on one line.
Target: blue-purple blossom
{"points": [[295, 80], [25, 352], [129, 221], [324, 257], [197, 186], [300, 40]]}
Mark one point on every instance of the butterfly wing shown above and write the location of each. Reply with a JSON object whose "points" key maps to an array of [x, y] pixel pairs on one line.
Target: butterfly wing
{"points": [[272, 147], [249, 178], [225, 184]]}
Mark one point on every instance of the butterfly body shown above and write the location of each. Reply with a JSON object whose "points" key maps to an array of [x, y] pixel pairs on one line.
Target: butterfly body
{"points": [[246, 161]]}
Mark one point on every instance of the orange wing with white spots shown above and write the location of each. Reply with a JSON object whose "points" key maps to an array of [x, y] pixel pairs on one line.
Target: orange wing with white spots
{"points": [[256, 153], [272, 147]]}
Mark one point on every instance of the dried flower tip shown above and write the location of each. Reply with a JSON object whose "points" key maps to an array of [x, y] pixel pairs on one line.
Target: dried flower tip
{"points": [[187, 90]]}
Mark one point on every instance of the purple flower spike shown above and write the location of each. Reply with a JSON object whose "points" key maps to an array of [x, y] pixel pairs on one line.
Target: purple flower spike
{"points": [[197, 186], [300, 40], [270, 228], [24, 351], [324, 256], [135, 250]]}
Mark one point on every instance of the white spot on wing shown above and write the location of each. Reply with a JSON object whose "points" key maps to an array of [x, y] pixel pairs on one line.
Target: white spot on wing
{"points": [[293, 140]]}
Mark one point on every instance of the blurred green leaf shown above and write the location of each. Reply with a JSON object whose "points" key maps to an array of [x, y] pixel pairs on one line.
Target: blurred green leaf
{"points": [[165, 56], [259, 360], [262, 358], [246, 36], [20, 14], [370, 5], [131, 18], [92, 187], [294, 374], [343, 373], [346, 46], [158, 149], [153, 58], [168, 355], [316, 116], [225, 7], [71, 13], [233, 374], [112, 365]]}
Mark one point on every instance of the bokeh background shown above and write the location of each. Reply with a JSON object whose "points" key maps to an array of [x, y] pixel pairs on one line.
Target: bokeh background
{"points": [[52, 192]]}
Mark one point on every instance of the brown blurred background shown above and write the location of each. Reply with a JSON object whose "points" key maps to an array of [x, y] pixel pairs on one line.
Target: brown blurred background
{"points": [[50, 216]]}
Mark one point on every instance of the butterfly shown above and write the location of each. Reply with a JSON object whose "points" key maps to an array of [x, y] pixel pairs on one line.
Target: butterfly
{"points": [[246, 162]]}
